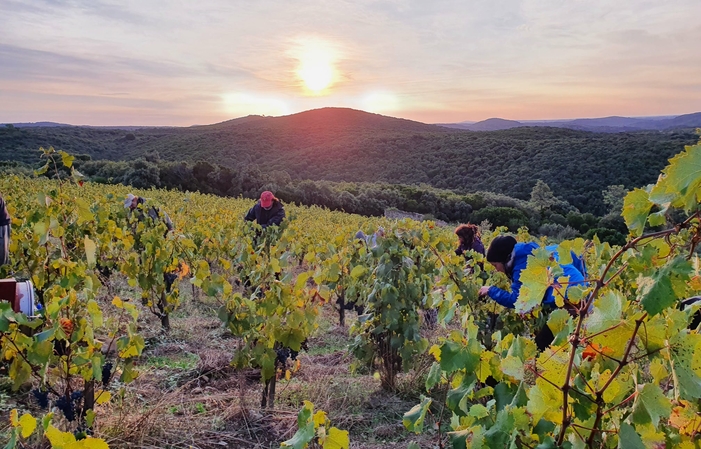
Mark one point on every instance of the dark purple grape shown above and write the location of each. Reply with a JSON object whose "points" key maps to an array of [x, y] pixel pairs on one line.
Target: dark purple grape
{"points": [[282, 355], [42, 397], [66, 406], [106, 372], [76, 395]]}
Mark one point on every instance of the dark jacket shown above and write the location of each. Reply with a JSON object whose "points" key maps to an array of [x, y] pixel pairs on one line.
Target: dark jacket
{"points": [[265, 218], [477, 247], [518, 262], [154, 213], [4, 215]]}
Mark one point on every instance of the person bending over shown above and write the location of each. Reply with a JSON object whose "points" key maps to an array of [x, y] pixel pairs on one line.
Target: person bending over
{"points": [[267, 211], [511, 257]]}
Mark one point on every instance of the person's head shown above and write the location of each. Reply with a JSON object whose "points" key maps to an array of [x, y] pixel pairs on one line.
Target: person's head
{"points": [[266, 199], [380, 231], [131, 201], [500, 250], [467, 233]]}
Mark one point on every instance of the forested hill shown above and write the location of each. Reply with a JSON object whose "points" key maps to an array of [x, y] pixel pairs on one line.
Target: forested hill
{"points": [[347, 145]]}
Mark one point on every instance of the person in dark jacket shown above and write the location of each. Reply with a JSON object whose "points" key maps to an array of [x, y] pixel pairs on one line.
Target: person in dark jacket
{"points": [[133, 203], [137, 205], [510, 257], [268, 211], [5, 232], [468, 239]]}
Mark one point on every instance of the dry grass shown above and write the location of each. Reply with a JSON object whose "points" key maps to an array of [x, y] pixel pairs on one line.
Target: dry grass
{"points": [[188, 395]]}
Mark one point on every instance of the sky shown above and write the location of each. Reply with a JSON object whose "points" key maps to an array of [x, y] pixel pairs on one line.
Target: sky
{"points": [[180, 63]]}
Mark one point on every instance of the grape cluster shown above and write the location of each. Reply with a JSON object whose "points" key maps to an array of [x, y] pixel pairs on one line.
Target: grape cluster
{"points": [[283, 354], [69, 405], [106, 372], [42, 397]]}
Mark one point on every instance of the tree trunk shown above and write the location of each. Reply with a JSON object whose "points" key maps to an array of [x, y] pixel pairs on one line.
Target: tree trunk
{"points": [[268, 399], [88, 398], [165, 318]]}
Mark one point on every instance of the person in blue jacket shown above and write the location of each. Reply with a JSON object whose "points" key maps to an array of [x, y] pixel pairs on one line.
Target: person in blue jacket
{"points": [[511, 257]]}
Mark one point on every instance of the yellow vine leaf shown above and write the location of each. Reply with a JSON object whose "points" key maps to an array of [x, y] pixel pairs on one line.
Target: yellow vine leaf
{"points": [[102, 397], [28, 424], [337, 439]]}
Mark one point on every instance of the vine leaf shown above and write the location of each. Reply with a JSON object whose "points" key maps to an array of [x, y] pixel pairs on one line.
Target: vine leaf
{"points": [[680, 182], [606, 320], [657, 292], [434, 376], [545, 403], [685, 419], [687, 366], [651, 405], [90, 250], [414, 419], [28, 424], [305, 431], [628, 438], [472, 438], [536, 279], [337, 439], [66, 159], [636, 208]]}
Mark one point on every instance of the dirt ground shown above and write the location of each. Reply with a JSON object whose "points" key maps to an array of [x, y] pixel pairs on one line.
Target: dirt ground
{"points": [[188, 396]]}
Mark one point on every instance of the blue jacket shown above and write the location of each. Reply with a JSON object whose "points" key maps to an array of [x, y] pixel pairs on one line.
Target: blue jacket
{"points": [[575, 271]]}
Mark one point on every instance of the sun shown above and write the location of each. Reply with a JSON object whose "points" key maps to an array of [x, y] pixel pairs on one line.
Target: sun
{"points": [[316, 67], [316, 75]]}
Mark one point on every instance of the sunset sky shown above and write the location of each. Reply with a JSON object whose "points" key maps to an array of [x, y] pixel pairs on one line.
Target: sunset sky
{"points": [[146, 62]]}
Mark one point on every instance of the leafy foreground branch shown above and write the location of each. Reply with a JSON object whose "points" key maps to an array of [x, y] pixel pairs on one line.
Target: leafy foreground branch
{"points": [[621, 371]]}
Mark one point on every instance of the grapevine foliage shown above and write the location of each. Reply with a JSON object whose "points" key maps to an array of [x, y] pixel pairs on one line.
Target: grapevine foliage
{"points": [[314, 430], [621, 371]]}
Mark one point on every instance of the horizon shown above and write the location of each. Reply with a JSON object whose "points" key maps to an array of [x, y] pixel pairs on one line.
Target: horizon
{"points": [[525, 121], [134, 63]]}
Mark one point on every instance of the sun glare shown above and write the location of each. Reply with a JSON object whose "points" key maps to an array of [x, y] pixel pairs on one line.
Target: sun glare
{"points": [[317, 64]]}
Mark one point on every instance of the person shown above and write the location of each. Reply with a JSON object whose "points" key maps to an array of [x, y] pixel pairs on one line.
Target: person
{"points": [[132, 203], [511, 257], [5, 232], [468, 240], [371, 240], [268, 211]]}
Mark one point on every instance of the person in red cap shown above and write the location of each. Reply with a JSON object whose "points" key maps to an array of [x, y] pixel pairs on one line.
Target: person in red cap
{"points": [[268, 211]]}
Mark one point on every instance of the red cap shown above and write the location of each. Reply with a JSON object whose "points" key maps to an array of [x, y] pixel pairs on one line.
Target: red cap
{"points": [[266, 199]]}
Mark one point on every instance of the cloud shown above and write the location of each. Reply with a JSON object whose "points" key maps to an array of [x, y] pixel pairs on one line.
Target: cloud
{"points": [[445, 58]]}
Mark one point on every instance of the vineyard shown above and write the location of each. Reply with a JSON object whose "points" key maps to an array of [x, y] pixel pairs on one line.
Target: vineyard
{"points": [[220, 333]]}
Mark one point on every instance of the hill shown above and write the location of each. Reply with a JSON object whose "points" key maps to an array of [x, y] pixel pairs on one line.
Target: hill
{"points": [[612, 124], [348, 145]]}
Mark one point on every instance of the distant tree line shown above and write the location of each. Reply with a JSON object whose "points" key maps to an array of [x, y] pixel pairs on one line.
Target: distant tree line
{"points": [[544, 213], [577, 165]]}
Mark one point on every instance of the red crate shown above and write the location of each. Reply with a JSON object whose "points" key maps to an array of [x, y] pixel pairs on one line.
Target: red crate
{"points": [[8, 292]]}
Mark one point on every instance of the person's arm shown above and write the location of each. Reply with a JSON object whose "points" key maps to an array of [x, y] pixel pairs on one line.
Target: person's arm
{"points": [[505, 298], [478, 246], [278, 217], [251, 215], [167, 221]]}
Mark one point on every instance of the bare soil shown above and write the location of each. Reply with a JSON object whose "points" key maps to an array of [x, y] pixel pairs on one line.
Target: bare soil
{"points": [[188, 396]]}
